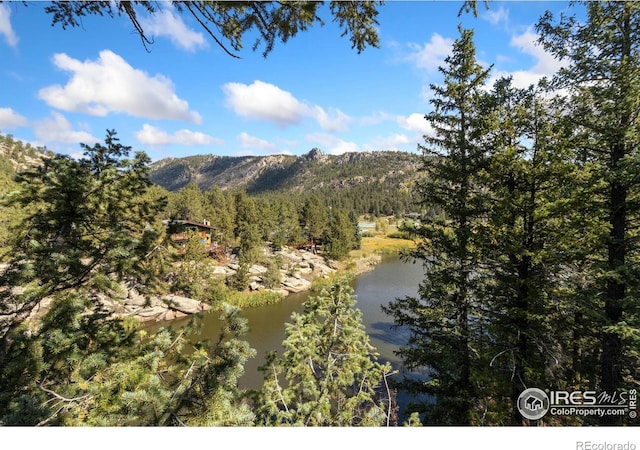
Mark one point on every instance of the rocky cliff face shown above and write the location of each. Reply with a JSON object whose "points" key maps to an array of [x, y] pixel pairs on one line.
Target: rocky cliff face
{"points": [[285, 172]]}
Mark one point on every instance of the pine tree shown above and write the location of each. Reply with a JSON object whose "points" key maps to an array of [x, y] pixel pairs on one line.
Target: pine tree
{"points": [[340, 238], [220, 210], [314, 220], [446, 323], [187, 204], [527, 237], [209, 393], [88, 229], [246, 227], [603, 81], [287, 227], [328, 374]]}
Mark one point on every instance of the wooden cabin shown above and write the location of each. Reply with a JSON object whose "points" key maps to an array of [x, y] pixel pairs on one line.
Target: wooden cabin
{"points": [[181, 230]]}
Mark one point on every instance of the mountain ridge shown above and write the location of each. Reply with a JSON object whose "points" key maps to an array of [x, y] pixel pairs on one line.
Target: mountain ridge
{"points": [[314, 170]]}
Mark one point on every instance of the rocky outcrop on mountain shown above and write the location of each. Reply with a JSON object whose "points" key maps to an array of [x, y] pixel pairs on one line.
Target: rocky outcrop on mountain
{"points": [[286, 172]]}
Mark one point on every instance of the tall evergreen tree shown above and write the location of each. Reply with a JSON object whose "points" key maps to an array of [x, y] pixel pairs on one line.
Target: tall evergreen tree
{"points": [[340, 238], [530, 177], [187, 204], [88, 224], [220, 210], [445, 322], [247, 228], [287, 226], [91, 227], [314, 220], [603, 83]]}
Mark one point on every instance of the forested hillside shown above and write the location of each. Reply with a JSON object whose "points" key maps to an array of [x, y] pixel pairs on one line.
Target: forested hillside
{"points": [[375, 183], [14, 156]]}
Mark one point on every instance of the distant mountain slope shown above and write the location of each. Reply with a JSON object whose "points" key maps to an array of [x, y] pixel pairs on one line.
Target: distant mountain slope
{"points": [[14, 156], [313, 171], [17, 155]]}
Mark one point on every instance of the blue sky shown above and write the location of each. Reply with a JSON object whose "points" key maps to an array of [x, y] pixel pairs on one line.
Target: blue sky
{"points": [[186, 97]]}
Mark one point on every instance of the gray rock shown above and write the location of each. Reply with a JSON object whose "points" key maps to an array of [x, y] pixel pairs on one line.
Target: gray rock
{"points": [[135, 299], [151, 313], [185, 304], [295, 285], [257, 269]]}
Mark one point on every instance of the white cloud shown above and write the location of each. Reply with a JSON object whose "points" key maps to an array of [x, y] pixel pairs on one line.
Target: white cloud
{"points": [[333, 145], [253, 142], [335, 121], [11, 119], [496, 16], [6, 29], [151, 135], [167, 23], [58, 129], [545, 64], [430, 55], [265, 101], [415, 122], [110, 84]]}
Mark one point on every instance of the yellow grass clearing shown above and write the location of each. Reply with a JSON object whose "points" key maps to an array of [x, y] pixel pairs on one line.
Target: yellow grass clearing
{"points": [[381, 244]]}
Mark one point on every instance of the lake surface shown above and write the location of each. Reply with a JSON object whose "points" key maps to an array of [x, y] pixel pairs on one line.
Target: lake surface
{"points": [[390, 279]]}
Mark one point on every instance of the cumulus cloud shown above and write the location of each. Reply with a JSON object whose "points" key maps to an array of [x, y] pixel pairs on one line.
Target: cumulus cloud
{"points": [[58, 129], [415, 122], [335, 121], [253, 142], [430, 55], [6, 29], [151, 135], [265, 101], [110, 84], [332, 144], [11, 119], [545, 64], [169, 24]]}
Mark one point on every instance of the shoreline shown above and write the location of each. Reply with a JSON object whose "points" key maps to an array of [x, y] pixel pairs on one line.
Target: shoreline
{"points": [[299, 272], [357, 263]]}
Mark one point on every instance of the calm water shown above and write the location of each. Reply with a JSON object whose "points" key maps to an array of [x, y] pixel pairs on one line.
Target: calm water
{"points": [[390, 279]]}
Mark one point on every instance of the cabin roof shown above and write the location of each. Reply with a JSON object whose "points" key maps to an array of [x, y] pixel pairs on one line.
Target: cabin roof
{"points": [[169, 222]]}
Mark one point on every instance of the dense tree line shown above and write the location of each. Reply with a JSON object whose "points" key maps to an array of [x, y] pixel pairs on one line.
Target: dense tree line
{"points": [[248, 222], [364, 183], [532, 269]]}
